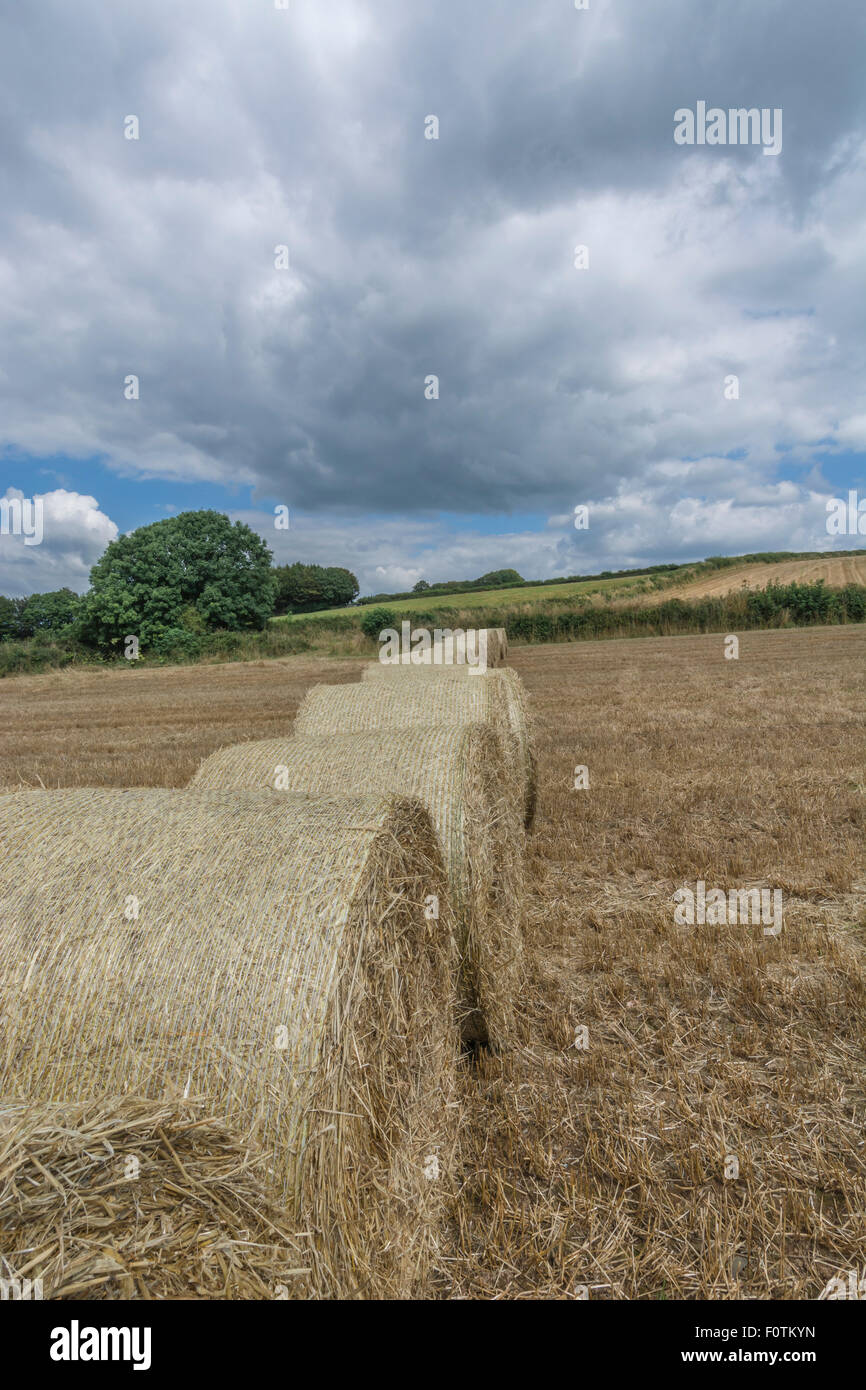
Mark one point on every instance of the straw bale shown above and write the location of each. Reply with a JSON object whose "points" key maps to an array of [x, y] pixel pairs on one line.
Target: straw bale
{"points": [[458, 772], [511, 692], [446, 650], [128, 1198], [269, 956]]}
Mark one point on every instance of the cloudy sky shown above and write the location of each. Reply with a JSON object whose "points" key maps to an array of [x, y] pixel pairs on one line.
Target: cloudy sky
{"points": [[298, 377]]}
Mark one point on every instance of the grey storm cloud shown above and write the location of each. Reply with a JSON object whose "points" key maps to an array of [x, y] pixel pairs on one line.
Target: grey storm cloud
{"points": [[409, 257]]}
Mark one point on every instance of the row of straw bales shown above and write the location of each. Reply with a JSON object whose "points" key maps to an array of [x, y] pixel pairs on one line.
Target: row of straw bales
{"points": [[498, 696], [232, 1012], [457, 772]]}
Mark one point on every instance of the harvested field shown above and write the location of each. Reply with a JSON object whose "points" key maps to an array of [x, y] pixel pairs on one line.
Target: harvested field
{"points": [[847, 569], [146, 728], [459, 774], [270, 957], [604, 1168]]}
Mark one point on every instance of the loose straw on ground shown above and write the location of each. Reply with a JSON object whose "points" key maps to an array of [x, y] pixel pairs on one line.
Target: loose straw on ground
{"points": [[458, 772], [269, 956]]}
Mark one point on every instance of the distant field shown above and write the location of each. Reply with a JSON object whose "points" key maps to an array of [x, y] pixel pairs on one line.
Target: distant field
{"points": [[847, 569], [489, 598]]}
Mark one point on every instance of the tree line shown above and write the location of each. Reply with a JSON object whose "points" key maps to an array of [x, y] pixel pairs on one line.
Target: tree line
{"points": [[174, 581]]}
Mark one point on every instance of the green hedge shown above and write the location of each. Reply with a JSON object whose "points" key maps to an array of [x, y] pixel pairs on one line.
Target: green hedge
{"points": [[779, 605]]}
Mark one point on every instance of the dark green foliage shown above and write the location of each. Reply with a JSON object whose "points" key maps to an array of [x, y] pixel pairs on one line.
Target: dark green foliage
{"points": [[40, 613], [779, 605], [147, 581], [310, 588], [10, 609], [48, 612], [375, 619], [494, 577]]}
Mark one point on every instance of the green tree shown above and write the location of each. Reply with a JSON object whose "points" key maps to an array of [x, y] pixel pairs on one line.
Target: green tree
{"points": [[147, 582], [420, 586], [501, 577], [48, 612], [306, 588], [10, 612]]}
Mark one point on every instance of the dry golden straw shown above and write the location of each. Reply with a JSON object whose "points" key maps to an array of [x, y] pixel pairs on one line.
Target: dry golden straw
{"points": [[497, 646], [130, 1198], [510, 691], [269, 956], [458, 773]]}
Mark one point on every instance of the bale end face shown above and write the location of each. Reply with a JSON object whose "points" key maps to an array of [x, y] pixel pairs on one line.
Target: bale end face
{"points": [[127, 1198], [275, 960]]}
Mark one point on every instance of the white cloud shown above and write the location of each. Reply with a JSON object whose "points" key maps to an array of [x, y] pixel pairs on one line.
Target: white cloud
{"points": [[631, 528], [304, 128], [74, 534]]}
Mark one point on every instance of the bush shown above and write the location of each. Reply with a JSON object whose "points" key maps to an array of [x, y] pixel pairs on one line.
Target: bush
{"points": [[375, 619], [177, 643]]}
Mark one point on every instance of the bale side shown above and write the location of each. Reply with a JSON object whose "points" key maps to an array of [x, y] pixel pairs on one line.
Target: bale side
{"points": [[458, 772], [272, 958], [512, 694]]}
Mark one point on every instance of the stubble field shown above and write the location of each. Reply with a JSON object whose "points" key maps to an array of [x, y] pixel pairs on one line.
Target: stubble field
{"points": [[603, 1168]]}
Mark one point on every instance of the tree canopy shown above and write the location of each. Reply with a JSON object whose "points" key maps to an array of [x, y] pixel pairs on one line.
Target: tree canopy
{"points": [[501, 577], [306, 588], [27, 617], [190, 573]]}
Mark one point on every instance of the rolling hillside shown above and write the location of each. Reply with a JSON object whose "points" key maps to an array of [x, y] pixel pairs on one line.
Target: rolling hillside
{"points": [[834, 570], [487, 598]]}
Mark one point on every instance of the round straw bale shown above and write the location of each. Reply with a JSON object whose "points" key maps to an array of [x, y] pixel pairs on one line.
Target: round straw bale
{"points": [[458, 772], [271, 956], [128, 1198], [406, 704], [512, 694]]}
